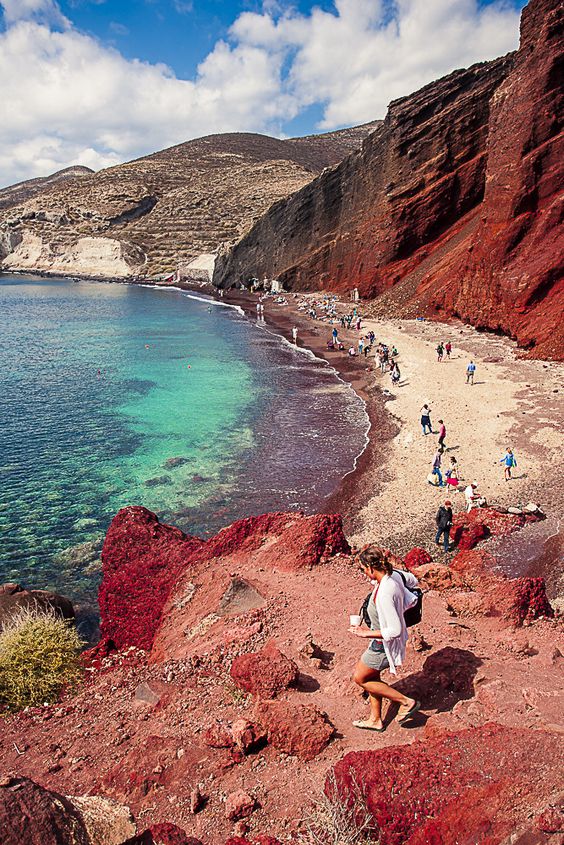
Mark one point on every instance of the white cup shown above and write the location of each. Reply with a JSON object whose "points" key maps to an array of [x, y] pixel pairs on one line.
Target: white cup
{"points": [[355, 621]]}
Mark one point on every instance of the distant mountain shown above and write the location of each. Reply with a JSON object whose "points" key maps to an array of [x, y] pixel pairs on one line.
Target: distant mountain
{"points": [[452, 207], [163, 210]]}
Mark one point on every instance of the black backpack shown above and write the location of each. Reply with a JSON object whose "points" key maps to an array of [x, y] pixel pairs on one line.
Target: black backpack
{"points": [[412, 615]]}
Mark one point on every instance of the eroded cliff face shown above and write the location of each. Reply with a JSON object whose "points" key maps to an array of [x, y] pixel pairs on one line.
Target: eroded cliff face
{"points": [[452, 207], [162, 211]]}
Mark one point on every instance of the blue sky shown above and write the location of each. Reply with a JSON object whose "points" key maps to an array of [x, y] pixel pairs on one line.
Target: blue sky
{"points": [[98, 82]]}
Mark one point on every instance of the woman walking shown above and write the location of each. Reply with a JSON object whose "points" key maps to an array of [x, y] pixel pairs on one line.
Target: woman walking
{"points": [[387, 635], [509, 461]]}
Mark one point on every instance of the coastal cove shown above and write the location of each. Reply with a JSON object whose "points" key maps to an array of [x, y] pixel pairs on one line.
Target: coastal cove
{"points": [[121, 394]]}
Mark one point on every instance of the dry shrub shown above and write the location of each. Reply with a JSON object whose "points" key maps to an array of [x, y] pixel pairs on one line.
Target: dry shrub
{"points": [[39, 657], [332, 822]]}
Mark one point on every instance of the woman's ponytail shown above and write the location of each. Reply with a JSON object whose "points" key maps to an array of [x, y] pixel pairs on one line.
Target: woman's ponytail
{"points": [[378, 559]]}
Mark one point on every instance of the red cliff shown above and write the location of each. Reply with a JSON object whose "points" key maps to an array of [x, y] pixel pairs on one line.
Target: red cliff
{"points": [[451, 207]]}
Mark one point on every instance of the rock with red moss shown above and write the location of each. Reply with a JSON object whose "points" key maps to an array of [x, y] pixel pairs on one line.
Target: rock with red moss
{"points": [[141, 562], [416, 557], [530, 600], [163, 834], [296, 729], [265, 673], [469, 529], [551, 820], [302, 541], [474, 785], [13, 597], [467, 535]]}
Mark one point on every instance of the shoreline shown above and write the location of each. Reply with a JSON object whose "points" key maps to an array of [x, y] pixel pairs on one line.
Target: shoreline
{"points": [[384, 498]]}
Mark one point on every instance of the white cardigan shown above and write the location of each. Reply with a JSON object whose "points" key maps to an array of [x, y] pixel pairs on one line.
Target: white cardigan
{"points": [[392, 599]]}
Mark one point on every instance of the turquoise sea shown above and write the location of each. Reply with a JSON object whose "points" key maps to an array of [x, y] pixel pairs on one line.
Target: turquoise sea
{"points": [[113, 394]]}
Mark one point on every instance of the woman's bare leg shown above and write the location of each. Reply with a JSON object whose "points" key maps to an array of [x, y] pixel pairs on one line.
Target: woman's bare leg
{"points": [[369, 680]]}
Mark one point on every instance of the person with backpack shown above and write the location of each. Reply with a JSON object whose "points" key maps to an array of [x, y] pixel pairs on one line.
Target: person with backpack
{"points": [[443, 520], [470, 370], [386, 606]]}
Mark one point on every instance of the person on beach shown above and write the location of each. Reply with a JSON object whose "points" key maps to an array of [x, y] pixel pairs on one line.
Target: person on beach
{"points": [[451, 475], [360, 346], [426, 419], [442, 434], [437, 466], [352, 351], [395, 374], [448, 348], [440, 352], [387, 634], [470, 370], [372, 337], [295, 334], [471, 496], [335, 334], [342, 322], [443, 520], [509, 462]]}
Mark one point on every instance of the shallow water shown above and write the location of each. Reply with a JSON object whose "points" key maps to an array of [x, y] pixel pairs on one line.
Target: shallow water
{"points": [[103, 384]]}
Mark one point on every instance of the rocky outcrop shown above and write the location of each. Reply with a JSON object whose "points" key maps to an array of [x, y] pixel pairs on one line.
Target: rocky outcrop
{"points": [[151, 571], [453, 207], [162, 211], [296, 729], [13, 598], [479, 785]]}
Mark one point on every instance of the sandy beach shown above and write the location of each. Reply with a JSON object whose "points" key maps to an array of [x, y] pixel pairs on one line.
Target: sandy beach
{"points": [[513, 402]]}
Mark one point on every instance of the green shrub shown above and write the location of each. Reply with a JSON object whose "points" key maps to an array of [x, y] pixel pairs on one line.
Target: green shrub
{"points": [[39, 657]]}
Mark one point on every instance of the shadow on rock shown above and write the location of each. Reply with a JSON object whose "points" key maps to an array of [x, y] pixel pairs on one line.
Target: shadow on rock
{"points": [[447, 676]]}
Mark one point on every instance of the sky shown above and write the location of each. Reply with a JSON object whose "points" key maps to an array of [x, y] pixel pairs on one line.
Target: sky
{"points": [[100, 82]]}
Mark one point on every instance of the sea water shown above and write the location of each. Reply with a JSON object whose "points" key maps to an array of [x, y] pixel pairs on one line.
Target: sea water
{"points": [[115, 395]]}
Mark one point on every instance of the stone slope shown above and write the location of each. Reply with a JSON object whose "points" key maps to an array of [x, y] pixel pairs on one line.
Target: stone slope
{"points": [[184, 734], [157, 212], [453, 207]]}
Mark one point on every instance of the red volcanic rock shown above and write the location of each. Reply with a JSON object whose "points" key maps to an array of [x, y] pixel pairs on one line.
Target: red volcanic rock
{"points": [[551, 820], [468, 535], [143, 559], [141, 562], [265, 673], [530, 600], [239, 805], [218, 735], [246, 735], [518, 599], [416, 557], [436, 576], [31, 814], [303, 541], [163, 834], [452, 207], [477, 785], [296, 729]]}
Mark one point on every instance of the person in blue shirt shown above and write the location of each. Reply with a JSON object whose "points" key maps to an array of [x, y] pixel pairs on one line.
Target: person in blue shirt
{"points": [[470, 370], [510, 462]]}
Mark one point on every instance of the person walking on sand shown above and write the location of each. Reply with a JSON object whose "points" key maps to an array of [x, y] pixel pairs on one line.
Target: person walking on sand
{"points": [[470, 370], [388, 635], [442, 434], [437, 466], [440, 352], [295, 334], [443, 520], [451, 475], [335, 336], [509, 461], [448, 348], [426, 419]]}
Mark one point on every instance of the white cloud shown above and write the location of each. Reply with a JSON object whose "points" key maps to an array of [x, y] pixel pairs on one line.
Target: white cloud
{"points": [[69, 99]]}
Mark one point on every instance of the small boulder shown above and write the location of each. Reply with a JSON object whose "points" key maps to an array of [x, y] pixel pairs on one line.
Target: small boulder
{"points": [[436, 576], [264, 673], [218, 735], [239, 805], [296, 729], [246, 735], [13, 597], [416, 557]]}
